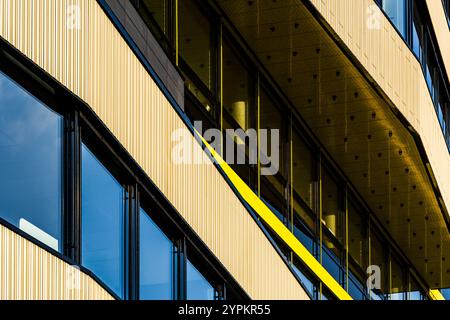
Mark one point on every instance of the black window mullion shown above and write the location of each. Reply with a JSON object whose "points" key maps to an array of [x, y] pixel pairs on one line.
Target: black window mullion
{"points": [[179, 272], [131, 243], [72, 187]]}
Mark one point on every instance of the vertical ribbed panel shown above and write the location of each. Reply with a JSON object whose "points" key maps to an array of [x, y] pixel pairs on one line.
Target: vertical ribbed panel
{"points": [[28, 272], [390, 62], [96, 64]]}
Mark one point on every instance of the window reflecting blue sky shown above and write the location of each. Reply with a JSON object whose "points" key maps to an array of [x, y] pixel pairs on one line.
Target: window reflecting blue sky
{"points": [[102, 218], [30, 162], [156, 261], [309, 285], [198, 288], [396, 11]]}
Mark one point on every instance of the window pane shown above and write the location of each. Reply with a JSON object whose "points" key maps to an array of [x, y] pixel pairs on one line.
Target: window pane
{"points": [[429, 79], [396, 11], [355, 288], [356, 237], [415, 291], [198, 288], [446, 293], [236, 91], [398, 283], [331, 258], [304, 235], [307, 282], [102, 223], [239, 115], [271, 119], [195, 45], [155, 260], [303, 170], [378, 257], [157, 16], [331, 205], [30, 164], [273, 180], [159, 12], [417, 42]]}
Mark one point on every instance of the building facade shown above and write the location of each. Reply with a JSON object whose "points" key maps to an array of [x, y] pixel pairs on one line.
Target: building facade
{"points": [[225, 149]]}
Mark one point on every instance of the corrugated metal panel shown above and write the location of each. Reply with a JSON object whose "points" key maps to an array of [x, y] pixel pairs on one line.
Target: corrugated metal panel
{"points": [[28, 272], [393, 66], [95, 63]]}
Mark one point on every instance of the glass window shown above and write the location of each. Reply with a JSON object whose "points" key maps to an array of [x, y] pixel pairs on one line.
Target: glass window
{"points": [[441, 116], [357, 237], [196, 49], [303, 170], [159, 11], [429, 79], [331, 205], [30, 164], [398, 281], [156, 15], [431, 69], [155, 261], [446, 4], [417, 33], [197, 287], [306, 216], [309, 285], [272, 149], [446, 293], [273, 180], [396, 11], [378, 257], [332, 257], [102, 223], [304, 235], [237, 92], [415, 291], [355, 287]]}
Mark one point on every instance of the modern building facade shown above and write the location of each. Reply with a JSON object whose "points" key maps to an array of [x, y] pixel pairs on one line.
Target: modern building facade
{"points": [[225, 149]]}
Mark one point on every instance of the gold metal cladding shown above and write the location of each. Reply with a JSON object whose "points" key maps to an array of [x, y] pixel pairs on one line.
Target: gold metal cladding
{"points": [[359, 126], [95, 63], [28, 272]]}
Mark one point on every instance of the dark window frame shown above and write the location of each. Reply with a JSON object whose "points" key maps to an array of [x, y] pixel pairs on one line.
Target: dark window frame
{"points": [[211, 95], [165, 40]]}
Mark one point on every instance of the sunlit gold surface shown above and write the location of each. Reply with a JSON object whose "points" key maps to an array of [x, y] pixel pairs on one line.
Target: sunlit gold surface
{"points": [[28, 272]]}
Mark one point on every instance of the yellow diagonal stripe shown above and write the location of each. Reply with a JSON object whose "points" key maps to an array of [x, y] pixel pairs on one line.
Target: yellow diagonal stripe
{"points": [[278, 227], [435, 295]]}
